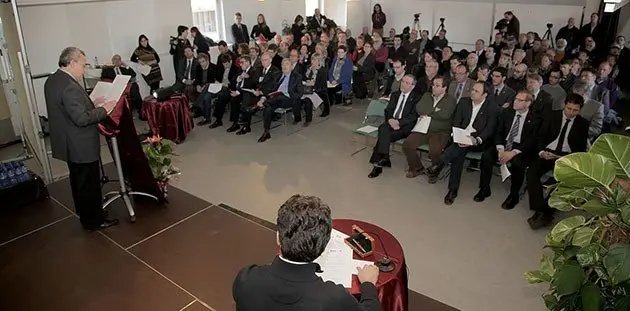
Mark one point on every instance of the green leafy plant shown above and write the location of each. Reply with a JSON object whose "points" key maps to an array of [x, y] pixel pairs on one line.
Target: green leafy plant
{"points": [[160, 152], [589, 269]]}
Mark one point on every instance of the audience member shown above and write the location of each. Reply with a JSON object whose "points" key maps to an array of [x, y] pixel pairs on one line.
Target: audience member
{"points": [[200, 42], [145, 54], [261, 29], [186, 74], [239, 30], [178, 45], [462, 85], [378, 19], [543, 102], [501, 94], [226, 75], [592, 111], [553, 88], [316, 81], [206, 73], [340, 77]]}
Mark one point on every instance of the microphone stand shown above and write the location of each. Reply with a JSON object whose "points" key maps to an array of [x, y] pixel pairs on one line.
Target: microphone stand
{"points": [[384, 264]]}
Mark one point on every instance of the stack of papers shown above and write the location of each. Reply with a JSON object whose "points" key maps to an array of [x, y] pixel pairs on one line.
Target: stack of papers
{"points": [[110, 91], [336, 261], [462, 136], [367, 129], [315, 99], [422, 125], [214, 88]]}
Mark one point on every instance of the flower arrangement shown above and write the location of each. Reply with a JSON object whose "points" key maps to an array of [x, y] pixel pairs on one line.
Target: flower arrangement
{"points": [[159, 152]]}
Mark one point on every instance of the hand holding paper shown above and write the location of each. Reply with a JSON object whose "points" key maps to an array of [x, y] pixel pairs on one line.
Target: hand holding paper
{"points": [[462, 136], [422, 125]]}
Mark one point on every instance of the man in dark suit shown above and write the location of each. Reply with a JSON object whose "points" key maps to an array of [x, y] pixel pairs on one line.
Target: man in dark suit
{"points": [[74, 136], [206, 73], [287, 93], [295, 65], [226, 75], [595, 30], [501, 94], [561, 133], [120, 68], [186, 74], [240, 98], [290, 282], [239, 30], [266, 85], [514, 145], [400, 118], [543, 102], [478, 115]]}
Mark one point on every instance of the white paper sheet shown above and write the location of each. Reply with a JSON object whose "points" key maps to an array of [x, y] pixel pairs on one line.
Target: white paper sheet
{"points": [[336, 261], [214, 88], [315, 99], [505, 172], [462, 136], [331, 86], [111, 91], [367, 129], [422, 125], [249, 90], [384, 99]]}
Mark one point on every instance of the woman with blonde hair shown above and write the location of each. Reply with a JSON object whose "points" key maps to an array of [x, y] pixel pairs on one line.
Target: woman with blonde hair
{"points": [[316, 81], [261, 28], [322, 51]]}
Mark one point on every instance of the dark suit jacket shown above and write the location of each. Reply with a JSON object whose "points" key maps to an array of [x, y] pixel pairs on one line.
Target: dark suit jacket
{"points": [[295, 88], [240, 35], [507, 95], [268, 83], [551, 127], [321, 80], [248, 83], [181, 71], [484, 124], [211, 75], [528, 136], [110, 73], [542, 105], [409, 114], [73, 120], [299, 68], [276, 61], [368, 69]]}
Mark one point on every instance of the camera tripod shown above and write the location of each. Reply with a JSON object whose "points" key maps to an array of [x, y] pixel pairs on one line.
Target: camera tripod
{"points": [[440, 28], [549, 36]]}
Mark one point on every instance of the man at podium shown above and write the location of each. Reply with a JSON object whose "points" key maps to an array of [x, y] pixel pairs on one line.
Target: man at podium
{"points": [[74, 136]]}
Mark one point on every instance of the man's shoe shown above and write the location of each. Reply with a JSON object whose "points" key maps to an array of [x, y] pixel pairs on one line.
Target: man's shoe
{"points": [[104, 225], [296, 121], [534, 217], [482, 195], [203, 122], [306, 123], [265, 136], [384, 163], [450, 197], [235, 127], [542, 221], [376, 171], [244, 130], [324, 114], [510, 202], [216, 124]]}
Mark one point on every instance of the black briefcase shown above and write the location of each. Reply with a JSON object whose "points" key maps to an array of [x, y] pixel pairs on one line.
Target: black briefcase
{"points": [[24, 193]]}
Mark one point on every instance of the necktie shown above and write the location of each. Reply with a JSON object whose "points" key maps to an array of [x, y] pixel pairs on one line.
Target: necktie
{"points": [[460, 88], [118, 71], [265, 72], [563, 133], [496, 93], [187, 73], [282, 79], [398, 112], [513, 133]]}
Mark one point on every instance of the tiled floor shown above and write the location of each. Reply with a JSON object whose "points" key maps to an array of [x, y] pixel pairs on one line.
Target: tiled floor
{"points": [[180, 256]]}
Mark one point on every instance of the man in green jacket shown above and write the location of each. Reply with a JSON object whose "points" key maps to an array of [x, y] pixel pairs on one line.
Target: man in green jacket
{"points": [[433, 126]]}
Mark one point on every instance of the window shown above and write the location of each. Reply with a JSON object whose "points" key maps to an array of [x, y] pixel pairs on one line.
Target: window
{"points": [[205, 17], [310, 6]]}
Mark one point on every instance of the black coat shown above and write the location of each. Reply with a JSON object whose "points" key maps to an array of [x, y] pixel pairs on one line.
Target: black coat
{"points": [[110, 72], [485, 123], [240, 35], [551, 127], [531, 126], [409, 114]]}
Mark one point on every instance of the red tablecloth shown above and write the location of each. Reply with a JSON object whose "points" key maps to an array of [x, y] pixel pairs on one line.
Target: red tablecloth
{"points": [[170, 119], [392, 286]]}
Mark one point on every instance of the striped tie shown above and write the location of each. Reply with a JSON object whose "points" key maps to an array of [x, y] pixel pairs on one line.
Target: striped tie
{"points": [[513, 133]]}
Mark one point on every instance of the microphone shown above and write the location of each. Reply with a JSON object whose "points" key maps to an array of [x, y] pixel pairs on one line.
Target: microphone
{"points": [[384, 264]]}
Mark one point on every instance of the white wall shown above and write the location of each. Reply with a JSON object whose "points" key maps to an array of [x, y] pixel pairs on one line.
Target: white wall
{"points": [[624, 22], [101, 29]]}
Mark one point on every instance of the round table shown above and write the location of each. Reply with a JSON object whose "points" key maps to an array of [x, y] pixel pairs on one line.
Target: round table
{"points": [[392, 286], [170, 119]]}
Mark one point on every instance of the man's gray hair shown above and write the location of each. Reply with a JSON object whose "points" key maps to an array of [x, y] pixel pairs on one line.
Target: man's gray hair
{"points": [[412, 78], [68, 55]]}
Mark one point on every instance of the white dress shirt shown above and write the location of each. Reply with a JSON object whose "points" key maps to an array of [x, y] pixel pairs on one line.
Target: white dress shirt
{"points": [[565, 146], [436, 100], [517, 138], [475, 112]]}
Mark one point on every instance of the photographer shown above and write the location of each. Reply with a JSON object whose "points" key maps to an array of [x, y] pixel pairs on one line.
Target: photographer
{"points": [[571, 34], [513, 26], [178, 45], [440, 40]]}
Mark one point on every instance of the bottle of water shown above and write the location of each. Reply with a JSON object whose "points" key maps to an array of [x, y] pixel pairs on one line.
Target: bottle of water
{"points": [[4, 183], [11, 175]]}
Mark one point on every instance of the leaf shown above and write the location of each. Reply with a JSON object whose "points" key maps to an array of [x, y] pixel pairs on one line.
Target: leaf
{"points": [[617, 263], [623, 304], [546, 265], [550, 301], [591, 297], [534, 277], [551, 243], [564, 228], [617, 149], [625, 215], [583, 236], [560, 203], [583, 170], [596, 207], [568, 279], [589, 255]]}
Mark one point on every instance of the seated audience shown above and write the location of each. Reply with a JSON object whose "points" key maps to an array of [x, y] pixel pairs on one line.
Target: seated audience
{"points": [[440, 40], [304, 57], [223, 49], [266, 86], [400, 118], [514, 145], [397, 51], [562, 133], [146, 55], [295, 62], [543, 102], [592, 111], [226, 75], [568, 78], [471, 63], [501, 94], [254, 56], [392, 84], [276, 60], [439, 107], [517, 81], [364, 71], [596, 92], [462, 85], [287, 93], [290, 282], [553, 88], [316, 81], [477, 115], [604, 80], [186, 74], [483, 71], [206, 73], [340, 77]]}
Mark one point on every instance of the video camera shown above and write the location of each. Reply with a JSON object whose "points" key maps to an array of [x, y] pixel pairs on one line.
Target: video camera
{"points": [[549, 25], [416, 17], [502, 25]]}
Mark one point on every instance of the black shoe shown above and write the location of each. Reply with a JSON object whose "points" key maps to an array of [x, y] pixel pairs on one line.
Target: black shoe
{"points": [[543, 220], [105, 224], [376, 171], [216, 124], [265, 136], [235, 127], [307, 123], [384, 163], [324, 114], [450, 197], [510, 202], [433, 172], [482, 195], [244, 130], [203, 122]]}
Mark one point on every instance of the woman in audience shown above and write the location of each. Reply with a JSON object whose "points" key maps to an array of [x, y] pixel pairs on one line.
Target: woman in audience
{"points": [[316, 81], [358, 50], [364, 71], [261, 28], [340, 77], [378, 19], [179, 44], [381, 53], [200, 41], [145, 54], [242, 50], [322, 51], [304, 56], [298, 29]]}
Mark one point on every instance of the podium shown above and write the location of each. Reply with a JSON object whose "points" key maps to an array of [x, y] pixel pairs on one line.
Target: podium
{"points": [[132, 167]]}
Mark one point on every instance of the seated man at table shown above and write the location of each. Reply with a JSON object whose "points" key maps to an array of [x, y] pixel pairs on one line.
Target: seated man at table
{"points": [[400, 118], [287, 93], [561, 133], [479, 117], [206, 74], [186, 74], [290, 282], [120, 68], [226, 75], [514, 145]]}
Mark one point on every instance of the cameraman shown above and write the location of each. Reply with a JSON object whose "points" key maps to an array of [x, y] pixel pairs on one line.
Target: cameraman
{"points": [[514, 26], [178, 45]]}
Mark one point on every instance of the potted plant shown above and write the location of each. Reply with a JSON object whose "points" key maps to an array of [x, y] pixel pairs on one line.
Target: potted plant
{"points": [[159, 152], [589, 268]]}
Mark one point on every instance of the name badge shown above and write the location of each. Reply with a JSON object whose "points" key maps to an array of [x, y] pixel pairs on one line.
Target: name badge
{"points": [[260, 79]]}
